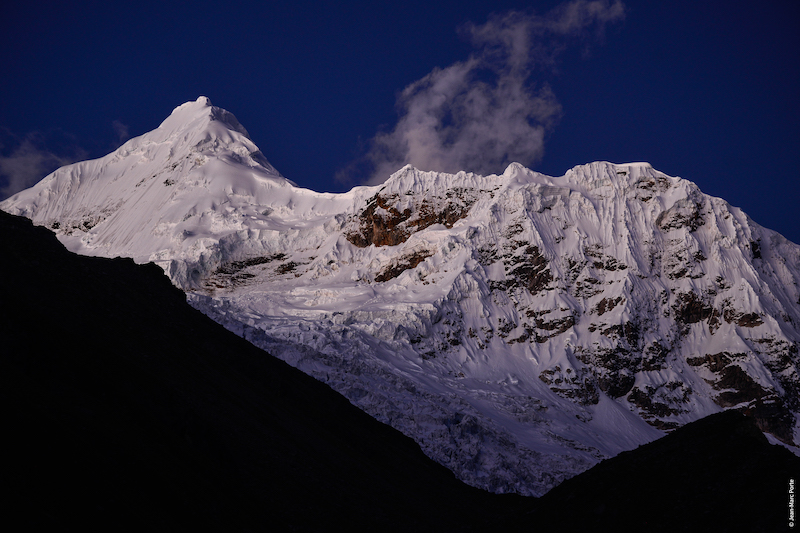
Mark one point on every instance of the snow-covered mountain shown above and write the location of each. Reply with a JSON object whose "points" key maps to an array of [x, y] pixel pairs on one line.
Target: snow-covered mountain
{"points": [[519, 327]]}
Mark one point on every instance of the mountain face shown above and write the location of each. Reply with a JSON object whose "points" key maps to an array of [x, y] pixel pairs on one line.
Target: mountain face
{"points": [[519, 327]]}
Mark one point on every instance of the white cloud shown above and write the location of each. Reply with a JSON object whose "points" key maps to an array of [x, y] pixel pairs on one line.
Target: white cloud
{"points": [[121, 130], [485, 112], [30, 161]]}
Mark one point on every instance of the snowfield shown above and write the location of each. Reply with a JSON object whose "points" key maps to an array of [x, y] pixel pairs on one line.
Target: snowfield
{"points": [[519, 327]]}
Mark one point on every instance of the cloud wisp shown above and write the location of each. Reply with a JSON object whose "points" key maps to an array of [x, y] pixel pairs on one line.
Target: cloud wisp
{"points": [[483, 113], [121, 132], [26, 159], [30, 160]]}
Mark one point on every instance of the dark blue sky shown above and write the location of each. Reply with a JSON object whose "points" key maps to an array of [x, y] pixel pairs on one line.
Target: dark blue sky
{"points": [[708, 91]]}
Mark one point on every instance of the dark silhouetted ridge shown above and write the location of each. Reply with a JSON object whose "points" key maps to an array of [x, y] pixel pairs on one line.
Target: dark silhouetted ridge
{"points": [[125, 406], [716, 474]]}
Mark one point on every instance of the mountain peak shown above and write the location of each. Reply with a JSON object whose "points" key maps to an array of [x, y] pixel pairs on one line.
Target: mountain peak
{"points": [[185, 178], [204, 118], [201, 103]]}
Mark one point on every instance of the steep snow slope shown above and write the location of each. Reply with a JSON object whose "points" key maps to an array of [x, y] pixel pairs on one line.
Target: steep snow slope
{"points": [[520, 327], [159, 190]]}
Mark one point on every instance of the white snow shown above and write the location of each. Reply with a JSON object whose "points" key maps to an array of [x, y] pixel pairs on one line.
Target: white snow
{"points": [[446, 351]]}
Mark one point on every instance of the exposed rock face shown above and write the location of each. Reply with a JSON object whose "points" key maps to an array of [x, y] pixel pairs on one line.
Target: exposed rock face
{"points": [[404, 263], [389, 219], [772, 412], [689, 309], [684, 214], [579, 385]]}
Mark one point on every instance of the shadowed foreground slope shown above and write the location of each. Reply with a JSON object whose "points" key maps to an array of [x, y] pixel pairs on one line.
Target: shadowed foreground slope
{"points": [[716, 474], [126, 406]]}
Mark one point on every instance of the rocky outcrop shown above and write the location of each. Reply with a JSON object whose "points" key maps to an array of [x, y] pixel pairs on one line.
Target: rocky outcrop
{"points": [[577, 385], [389, 219], [402, 264]]}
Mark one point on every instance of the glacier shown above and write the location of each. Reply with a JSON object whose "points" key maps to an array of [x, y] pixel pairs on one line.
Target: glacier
{"points": [[519, 327]]}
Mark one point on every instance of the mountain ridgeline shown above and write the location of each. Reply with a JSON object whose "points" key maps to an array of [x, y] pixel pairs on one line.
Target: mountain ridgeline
{"points": [[519, 327]]}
